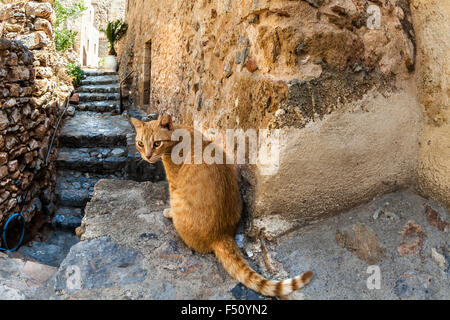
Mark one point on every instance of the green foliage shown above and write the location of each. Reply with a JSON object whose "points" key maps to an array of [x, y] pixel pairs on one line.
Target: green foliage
{"points": [[114, 32], [65, 38], [76, 72], [63, 13]]}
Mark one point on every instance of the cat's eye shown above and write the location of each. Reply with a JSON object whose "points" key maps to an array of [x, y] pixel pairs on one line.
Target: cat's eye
{"points": [[140, 144], [156, 144]]}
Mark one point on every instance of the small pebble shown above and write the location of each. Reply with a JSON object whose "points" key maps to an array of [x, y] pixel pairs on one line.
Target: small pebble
{"points": [[71, 111], [76, 185], [439, 258], [239, 240]]}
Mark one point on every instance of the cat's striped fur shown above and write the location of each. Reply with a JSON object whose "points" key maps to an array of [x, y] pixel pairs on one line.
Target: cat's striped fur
{"points": [[206, 206]]}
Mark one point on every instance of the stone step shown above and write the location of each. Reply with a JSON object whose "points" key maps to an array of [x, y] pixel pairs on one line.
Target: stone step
{"points": [[51, 252], [99, 88], [98, 160], [75, 189], [99, 80], [87, 96], [96, 73], [67, 218], [99, 106], [74, 193], [89, 129]]}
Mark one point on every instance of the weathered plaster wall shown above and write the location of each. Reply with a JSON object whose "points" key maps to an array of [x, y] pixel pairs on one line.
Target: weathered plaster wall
{"points": [[344, 94], [431, 18], [89, 37], [87, 41]]}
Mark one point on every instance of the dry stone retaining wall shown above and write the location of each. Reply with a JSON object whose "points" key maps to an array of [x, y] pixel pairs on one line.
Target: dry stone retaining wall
{"points": [[25, 134], [34, 87], [31, 22]]}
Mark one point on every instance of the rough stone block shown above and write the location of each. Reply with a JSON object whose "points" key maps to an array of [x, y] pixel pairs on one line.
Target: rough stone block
{"points": [[36, 9], [39, 272], [35, 40], [44, 25]]}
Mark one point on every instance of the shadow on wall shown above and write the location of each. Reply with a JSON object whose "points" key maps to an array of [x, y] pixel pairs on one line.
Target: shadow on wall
{"points": [[348, 89]]}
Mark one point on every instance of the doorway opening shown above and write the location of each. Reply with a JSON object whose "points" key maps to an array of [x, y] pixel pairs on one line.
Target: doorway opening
{"points": [[147, 74]]}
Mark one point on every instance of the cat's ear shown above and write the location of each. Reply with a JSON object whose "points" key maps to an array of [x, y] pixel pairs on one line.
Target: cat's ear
{"points": [[138, 124], [166, 122]]}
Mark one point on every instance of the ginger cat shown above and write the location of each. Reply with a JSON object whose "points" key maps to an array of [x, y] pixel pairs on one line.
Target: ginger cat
{"points": [[206, 206]]}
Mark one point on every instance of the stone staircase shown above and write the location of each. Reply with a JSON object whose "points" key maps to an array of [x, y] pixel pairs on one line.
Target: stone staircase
{"points": [[100, 92], [96, 143]]}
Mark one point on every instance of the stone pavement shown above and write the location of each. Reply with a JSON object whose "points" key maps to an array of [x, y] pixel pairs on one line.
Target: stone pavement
{"points": [[395, 247], [400, 233], [130, 251]]}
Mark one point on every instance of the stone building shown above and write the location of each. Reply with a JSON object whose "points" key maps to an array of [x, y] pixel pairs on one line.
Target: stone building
{"points": [[345, 80], [87, 39], [105, 11], [91, 45]]}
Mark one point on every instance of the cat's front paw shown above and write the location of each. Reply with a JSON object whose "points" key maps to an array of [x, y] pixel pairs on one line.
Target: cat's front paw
{"points": [[167, 213]]}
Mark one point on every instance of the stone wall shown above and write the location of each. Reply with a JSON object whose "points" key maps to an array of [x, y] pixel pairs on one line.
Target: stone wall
{"points": [[34, 87], [24, 134], [340, 87], [31, 22]]}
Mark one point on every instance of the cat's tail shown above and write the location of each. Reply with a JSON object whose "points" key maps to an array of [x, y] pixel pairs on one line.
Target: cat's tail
{"points": [[229, 255]]}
